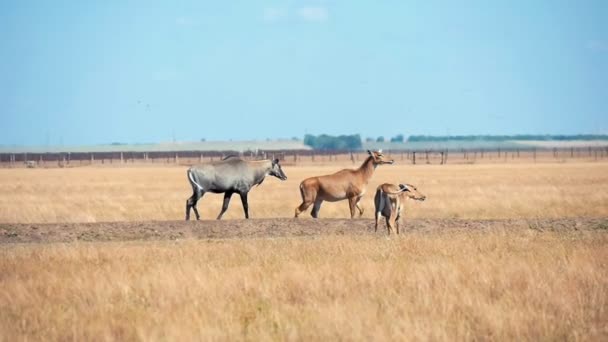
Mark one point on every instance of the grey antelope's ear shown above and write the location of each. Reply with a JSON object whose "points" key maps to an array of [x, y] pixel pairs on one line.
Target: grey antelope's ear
{"points": [[275, 161]]}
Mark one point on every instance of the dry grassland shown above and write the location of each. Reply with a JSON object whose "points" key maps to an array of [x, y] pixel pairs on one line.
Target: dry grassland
{"points": [[491, 191], [444, 285], [504, 283]]}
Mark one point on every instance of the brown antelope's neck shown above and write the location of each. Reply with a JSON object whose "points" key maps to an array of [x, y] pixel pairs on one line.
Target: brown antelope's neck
{"points": [[367, 168]]}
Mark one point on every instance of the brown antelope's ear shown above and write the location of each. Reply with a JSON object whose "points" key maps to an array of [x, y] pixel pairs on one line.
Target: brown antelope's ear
{"points": [[369, 152]]}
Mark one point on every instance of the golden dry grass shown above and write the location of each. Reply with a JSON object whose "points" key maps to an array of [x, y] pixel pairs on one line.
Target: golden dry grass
{"points": [[487, 191], [450, 285]]}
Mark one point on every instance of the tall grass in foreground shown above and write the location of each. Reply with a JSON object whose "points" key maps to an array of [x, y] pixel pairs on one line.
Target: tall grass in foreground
{"points": [[454, 285]]}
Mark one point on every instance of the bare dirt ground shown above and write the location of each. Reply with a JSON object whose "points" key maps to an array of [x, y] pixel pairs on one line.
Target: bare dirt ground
{"points": [[263, 228]]}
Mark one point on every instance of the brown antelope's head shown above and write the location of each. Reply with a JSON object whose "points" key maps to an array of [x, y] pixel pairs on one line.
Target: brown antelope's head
{"points": [[410, 191], [379, 158], [277, 171]]}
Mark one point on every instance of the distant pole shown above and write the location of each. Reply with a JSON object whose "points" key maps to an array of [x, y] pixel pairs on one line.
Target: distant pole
{"points": [[414, 157]]}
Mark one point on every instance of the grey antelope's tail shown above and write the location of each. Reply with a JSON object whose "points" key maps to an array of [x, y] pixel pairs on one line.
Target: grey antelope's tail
{"points": [[192, 181]]}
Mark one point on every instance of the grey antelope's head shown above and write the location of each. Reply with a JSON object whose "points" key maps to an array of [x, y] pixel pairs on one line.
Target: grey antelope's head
{"points": [[410, 191], [379, 158], [276, 170]]}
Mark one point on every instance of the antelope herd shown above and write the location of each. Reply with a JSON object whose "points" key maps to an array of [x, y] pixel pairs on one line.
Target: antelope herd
{"points": [[235, 175]]}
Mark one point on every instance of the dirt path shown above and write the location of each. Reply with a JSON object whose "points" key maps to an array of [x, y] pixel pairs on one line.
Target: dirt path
{"points": [[212, 229]]}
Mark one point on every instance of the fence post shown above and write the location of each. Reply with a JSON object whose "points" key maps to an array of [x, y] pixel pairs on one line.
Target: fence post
{"points": [[414, 157]]}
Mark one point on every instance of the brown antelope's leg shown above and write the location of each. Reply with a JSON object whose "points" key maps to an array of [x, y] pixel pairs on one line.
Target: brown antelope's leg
{"points": [[388, 226], [302, 207], [315, 209], [352, 203], [359, 207], [307, 200], [227, 196], [392, 221], [397, 221]]}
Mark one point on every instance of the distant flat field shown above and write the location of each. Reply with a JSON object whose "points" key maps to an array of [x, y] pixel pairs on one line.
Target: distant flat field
{"points": [[485, 191]]}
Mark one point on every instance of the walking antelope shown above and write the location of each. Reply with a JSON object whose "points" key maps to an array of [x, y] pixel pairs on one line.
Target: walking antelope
{"points": [[345, 184], [388, 202], [229, 176]]}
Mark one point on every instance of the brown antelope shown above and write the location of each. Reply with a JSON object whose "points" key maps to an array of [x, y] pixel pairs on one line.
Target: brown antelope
{"points": [[389, 200], [345, 184]]}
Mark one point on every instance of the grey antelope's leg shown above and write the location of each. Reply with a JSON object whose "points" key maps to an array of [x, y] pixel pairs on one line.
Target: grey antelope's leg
{"points": [[227, 196], [245, 204], [191, 203], [315, 209]]}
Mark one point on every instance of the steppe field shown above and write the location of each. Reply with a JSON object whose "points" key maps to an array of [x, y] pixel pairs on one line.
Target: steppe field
{"points": [[498, 251]]}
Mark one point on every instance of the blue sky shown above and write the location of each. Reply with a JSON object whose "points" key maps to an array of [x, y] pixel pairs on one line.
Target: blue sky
{"points": [[88, 72]]}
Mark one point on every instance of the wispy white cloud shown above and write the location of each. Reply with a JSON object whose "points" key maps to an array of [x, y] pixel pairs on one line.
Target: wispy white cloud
{"points": [[597, 45], [272, 14], [318, 14]]}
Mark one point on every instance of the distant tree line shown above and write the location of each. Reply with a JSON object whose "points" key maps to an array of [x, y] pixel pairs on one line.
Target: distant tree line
{"points": [[431, 138], [330, 142]]}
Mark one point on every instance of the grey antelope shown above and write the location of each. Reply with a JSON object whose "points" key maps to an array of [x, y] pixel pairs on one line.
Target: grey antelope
{"points": [[345, 184], [230, 175], [388, 202]]}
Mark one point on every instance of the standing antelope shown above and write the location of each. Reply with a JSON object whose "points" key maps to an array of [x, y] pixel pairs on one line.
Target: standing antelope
{"points": [[345, 184], [388, 202], [230, 175]]}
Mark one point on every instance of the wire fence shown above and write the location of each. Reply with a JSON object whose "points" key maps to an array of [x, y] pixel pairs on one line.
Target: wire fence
{"points": [[305, 157]]}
